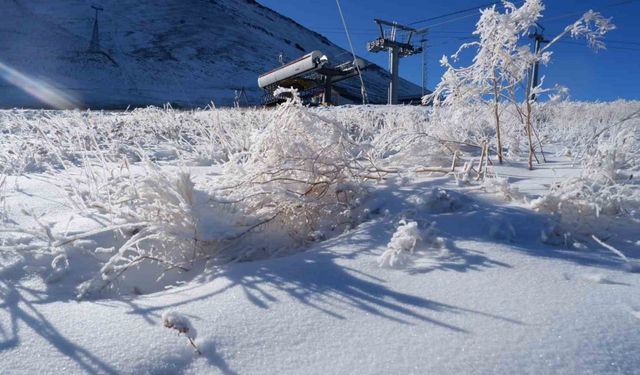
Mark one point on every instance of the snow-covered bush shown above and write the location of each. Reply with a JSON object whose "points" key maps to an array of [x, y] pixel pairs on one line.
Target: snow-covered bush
{"points": [[608, 152], [402, 243], [408, 240], [153, 213], [35, 141], [301, 174]]}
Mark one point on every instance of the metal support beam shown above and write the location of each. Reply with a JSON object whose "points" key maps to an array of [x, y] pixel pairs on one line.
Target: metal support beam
{"points": [[94, 45], [539, 40], [328, 88], [423, 45], [394, 63]]}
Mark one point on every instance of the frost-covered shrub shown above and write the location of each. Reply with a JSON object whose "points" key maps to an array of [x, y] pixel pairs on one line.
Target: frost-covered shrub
{"points": [[290, 177], [608, 152], [36, 141], [589, 206], [575, 125], [301, 174], [408, 240], [154, 213], [402, 243], [295, 176]]}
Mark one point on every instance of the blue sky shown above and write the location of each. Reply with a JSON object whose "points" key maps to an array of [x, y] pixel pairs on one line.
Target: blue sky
{"points": [[605, 75]]}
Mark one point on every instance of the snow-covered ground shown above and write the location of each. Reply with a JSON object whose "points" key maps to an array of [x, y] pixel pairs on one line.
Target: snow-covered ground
{"points": [[488, 276]]}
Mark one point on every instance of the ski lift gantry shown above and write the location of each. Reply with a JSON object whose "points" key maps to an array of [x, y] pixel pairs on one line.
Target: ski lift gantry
{"points": [[398, 41], [312, 75]]}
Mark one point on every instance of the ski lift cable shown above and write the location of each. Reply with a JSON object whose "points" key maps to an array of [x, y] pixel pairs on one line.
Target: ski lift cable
{"points": [[455, 13], [363, 89], [366, 30], [451, 20], [607, 47], [606, 6], [460, 12]]}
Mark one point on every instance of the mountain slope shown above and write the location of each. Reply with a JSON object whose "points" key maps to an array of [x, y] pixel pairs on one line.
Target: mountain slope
{"points": [[185, 52]]}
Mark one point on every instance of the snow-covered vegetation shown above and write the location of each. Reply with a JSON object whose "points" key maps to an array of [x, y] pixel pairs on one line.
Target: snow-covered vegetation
{"points": [[212, 222], [500, 86], [268, 182], [167, 194], [501, 74]]}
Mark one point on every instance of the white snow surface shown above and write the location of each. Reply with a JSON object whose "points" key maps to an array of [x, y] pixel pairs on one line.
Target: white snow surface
{"points": [[480, 294], [485, 307]]}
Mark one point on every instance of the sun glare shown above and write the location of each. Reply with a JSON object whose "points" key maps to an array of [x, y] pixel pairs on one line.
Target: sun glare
{"points": [[37, 88]]}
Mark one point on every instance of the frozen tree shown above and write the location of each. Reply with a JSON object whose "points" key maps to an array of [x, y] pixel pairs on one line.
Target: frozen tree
{"points": [[499, 72]]}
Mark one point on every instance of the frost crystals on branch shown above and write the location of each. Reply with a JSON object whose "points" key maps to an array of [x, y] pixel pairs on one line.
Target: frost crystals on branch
{"points": [[179, 322], [499, 76]]}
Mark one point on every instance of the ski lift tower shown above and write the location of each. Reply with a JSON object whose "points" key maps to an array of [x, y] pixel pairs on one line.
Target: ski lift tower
{"points": [[94, 45], [534, 71], [397, 40]]}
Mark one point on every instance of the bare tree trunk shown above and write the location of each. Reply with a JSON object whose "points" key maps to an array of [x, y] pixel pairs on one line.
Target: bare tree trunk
{"points": [[483, 154], [529, 134], [455, 159], [535, 132], [496, 113]]}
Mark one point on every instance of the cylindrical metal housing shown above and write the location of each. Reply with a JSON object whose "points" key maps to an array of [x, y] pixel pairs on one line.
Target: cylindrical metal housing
{"points": [[304, 64]]}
